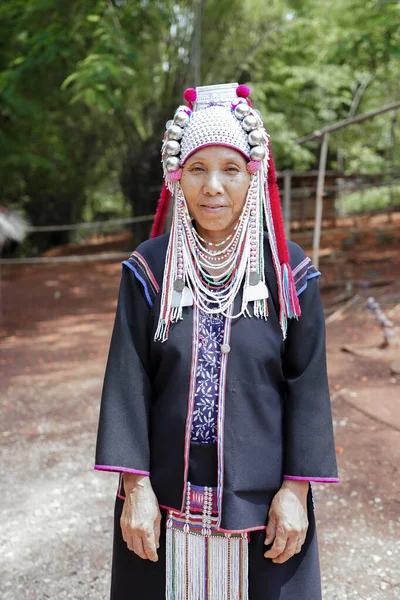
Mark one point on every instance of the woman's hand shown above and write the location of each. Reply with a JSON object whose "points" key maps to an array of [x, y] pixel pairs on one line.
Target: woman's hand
{"points": [[287, 521], [141, 517]]}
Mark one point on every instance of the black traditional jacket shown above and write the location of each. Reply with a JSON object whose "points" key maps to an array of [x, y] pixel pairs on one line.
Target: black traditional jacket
{"points": [[276, 414]]}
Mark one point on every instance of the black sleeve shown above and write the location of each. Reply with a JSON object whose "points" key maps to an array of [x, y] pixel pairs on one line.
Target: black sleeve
{"points": [[308, 432], [123, 440]]}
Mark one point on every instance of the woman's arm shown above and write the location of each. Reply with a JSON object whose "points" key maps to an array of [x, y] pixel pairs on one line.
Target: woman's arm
{"points": [[123, 433], [123, 436], [309, 448]]}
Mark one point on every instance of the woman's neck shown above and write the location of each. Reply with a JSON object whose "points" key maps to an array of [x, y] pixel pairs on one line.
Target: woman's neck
{"points": [[214, 237]]}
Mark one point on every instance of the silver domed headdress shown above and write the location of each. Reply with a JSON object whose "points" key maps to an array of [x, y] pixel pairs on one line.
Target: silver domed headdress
{"points": [[222, 115]]}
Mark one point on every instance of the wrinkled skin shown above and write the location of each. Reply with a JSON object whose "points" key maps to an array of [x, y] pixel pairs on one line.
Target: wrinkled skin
{"points": [[215, 182], [141, 517]]}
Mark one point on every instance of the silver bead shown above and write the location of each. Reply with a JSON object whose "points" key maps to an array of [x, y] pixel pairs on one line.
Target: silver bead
{"points": [[242, 110], [257, 153], [172, 148], [225, 348], [181, 118], [255, 137], [174, 132], [168, 124], [250, 122], [172, 164]]}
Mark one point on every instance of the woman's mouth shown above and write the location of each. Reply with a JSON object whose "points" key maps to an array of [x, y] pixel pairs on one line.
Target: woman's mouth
{"points": [[213, 208]]}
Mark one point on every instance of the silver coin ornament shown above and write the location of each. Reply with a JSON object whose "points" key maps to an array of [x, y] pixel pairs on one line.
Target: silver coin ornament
{"points": [[242, 110], [168, 124], [179, 284], [172, 163], [254, 278], [255, 137], [257, 153], [250, 122], [174, 132], [172, 147], [181, 118]]}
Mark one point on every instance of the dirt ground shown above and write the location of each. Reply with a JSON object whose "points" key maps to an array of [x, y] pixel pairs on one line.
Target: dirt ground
{"points": [[56, 512]]}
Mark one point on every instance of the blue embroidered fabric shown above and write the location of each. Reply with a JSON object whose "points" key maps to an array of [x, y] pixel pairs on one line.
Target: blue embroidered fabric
{"points": [[205, 413]]}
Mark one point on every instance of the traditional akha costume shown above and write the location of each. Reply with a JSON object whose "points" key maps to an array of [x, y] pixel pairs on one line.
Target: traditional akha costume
{"points": [[216, 387]]}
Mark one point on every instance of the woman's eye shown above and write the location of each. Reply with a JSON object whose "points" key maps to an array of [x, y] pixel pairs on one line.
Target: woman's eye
{"points": [[232, 169], [196, 169]]}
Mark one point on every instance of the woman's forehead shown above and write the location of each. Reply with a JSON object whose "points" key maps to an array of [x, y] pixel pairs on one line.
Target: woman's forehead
{"points": [[217, 152]]}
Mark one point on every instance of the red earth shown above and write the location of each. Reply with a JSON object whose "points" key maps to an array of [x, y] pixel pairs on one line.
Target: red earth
{"points": [[57, 512]]}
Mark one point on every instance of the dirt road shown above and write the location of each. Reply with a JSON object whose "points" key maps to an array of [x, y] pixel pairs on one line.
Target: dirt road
{"points": [[56, 512]]}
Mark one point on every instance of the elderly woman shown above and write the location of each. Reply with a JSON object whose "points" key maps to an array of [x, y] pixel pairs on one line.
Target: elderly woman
{"points": [[215, 406]]}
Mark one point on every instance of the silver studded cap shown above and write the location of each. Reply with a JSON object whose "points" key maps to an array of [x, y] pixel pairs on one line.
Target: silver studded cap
{"points": [[214, 125]]}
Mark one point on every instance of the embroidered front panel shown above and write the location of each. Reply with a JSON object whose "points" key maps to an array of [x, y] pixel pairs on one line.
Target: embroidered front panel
{"points": [[205, 413]]}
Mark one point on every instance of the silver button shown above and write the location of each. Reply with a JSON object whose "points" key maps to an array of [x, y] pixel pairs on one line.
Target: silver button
{"points": [[225, 348]]}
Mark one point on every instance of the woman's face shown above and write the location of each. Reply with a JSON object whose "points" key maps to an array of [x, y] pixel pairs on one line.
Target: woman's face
{"points": [[215, 183]]}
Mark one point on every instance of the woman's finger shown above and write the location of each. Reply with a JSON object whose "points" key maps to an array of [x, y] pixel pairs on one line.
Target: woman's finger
{"points": [[136, 545], [279, 544], [157, 530], [270, 532], [299, 546], [289, 550], [149, 545]]}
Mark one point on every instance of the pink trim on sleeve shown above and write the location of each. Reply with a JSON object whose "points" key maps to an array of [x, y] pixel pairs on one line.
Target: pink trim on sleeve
{"points": [[120, 470], [318, 479]]}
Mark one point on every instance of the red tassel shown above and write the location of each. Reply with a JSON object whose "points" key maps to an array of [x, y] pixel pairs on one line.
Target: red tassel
{"points": [[292, 304], [277, 213], [161, 212]]}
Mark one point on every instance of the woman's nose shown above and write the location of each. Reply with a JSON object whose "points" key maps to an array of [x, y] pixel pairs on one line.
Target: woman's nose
{"points": [[213, 185]]}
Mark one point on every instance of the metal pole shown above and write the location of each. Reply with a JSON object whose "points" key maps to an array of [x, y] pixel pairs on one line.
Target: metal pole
{"points": [[319, 199], [197, 41], [287, 200], [346, 122]]}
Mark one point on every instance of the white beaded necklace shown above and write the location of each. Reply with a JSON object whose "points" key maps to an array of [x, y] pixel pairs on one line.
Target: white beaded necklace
{"points": [[186, 276]]}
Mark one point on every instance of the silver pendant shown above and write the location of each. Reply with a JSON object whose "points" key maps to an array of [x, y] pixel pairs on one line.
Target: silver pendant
{"points": [[258, 292], [181, 299], [176, 299], [187, 297]]}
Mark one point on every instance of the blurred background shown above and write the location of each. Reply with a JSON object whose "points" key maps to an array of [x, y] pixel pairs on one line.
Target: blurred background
{"points": [[86, 88]]}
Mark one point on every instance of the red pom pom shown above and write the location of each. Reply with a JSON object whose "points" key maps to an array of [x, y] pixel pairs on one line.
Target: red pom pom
{"points": [[242, 91], [190, 95]]}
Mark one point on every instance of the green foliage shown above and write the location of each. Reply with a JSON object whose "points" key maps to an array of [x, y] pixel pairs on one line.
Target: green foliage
{"points": [[87, 86], [375, 199]]}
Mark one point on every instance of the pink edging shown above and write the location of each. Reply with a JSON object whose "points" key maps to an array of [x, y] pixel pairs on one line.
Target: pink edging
{"points": [[320, 479], [119, 470]]}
